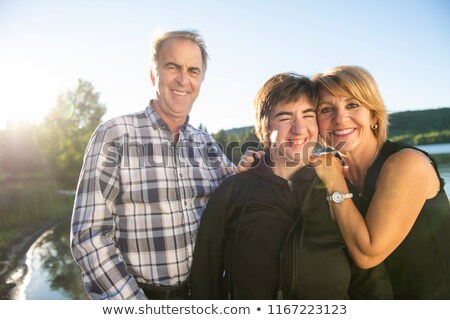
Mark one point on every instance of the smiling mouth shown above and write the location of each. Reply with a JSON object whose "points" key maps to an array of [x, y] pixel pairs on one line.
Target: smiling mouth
{"points": [[298, 142], [179, 93], [343, 132]]}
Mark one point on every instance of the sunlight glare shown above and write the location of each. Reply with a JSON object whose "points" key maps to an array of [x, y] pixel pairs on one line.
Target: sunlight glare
{"points": [[27, 96]]}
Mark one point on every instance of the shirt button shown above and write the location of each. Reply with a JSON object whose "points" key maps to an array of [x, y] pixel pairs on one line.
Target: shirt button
{"points": [[181, 175], [185, 203]]}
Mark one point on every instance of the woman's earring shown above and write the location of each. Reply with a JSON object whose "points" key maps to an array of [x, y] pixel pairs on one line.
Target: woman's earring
{"points": [[374, 127]]}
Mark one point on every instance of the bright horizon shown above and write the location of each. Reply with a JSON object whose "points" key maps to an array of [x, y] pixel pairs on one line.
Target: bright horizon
{"points": [[46, 46]]}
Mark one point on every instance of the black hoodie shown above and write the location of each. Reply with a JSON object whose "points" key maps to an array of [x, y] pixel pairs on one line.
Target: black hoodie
{"points": [[263, 237]]}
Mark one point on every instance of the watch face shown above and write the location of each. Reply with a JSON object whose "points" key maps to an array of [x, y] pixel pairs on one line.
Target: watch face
{"points": [[337, 197]]}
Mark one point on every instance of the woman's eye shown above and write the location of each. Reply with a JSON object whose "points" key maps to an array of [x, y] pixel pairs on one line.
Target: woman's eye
{"points": [[325, 110], [352, 105]]}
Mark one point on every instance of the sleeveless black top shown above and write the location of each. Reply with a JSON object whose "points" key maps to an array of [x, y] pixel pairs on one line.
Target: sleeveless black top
{"points": [[420, 267]]}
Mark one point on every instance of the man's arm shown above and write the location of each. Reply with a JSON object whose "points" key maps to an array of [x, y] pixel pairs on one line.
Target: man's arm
{"points": [[93, 247]]}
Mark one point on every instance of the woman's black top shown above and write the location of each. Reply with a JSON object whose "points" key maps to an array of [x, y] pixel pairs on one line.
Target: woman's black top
{"points": [[420, 267]]}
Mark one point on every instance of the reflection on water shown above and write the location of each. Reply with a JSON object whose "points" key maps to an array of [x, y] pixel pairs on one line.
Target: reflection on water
{"points": [[52, 272]]}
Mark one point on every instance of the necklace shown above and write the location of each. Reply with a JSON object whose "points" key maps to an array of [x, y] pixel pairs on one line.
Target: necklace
{"points": [[360, 194]]}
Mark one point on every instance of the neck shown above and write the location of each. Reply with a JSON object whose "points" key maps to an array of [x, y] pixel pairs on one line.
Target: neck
{"points": [[359, 162], [286, 169], [174, 123]]}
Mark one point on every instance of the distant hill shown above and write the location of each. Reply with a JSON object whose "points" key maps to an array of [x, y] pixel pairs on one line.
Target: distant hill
{"points": [[419, 121], [238, 131]]}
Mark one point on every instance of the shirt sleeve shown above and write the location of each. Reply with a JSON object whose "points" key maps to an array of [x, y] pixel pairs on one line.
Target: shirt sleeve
{"points": [[104, 271]]}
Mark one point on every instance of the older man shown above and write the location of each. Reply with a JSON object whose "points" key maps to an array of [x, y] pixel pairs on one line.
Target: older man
{"points": [[145, 182]]}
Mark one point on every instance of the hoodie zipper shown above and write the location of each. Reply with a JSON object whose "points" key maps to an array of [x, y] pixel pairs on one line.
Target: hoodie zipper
{"points": [[295, 249], [295, 244]]}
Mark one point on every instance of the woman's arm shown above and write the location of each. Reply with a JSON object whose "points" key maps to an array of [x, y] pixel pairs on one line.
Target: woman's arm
{"points": [[406, 181]]}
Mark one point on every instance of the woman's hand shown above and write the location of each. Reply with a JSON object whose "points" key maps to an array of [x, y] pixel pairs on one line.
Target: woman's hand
{"points": [[330, 169]]}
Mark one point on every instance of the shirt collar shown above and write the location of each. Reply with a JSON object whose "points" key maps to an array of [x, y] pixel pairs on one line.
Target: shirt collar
{"points": [[157, 122]]}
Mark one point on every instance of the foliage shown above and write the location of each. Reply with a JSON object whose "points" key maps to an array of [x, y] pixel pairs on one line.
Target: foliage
{"points": [[67, 130], [234, 142], [431, 137], [24, 202], [419, 122], [38, 160]]}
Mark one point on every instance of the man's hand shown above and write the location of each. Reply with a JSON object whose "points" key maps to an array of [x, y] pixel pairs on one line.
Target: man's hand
{"points": [[248, 158]]}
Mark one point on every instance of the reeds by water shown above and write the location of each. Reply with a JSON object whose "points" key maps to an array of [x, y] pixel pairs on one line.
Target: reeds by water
{"points": [[25, 203]]}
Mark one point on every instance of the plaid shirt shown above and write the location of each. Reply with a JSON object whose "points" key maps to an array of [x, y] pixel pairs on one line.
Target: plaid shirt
{"points": [[139, 201]]}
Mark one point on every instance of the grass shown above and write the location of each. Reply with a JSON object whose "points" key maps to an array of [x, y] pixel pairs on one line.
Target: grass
{"points": [[25, 203]]}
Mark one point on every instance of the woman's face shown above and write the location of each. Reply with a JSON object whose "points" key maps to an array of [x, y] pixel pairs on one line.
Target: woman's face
{"points": [[293, 129], [344, 122]]}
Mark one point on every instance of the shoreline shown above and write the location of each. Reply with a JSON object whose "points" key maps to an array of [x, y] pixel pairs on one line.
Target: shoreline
{"points": [[13, 266]]}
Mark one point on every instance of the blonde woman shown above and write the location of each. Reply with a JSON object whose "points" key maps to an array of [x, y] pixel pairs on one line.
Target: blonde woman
{"points": [[387, 198]]}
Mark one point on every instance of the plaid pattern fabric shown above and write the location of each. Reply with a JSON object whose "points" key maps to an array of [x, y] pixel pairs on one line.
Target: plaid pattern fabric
{"points": [[139, 201]]}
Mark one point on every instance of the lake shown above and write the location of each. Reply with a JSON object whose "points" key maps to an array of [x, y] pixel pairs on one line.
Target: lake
{"points": [[441, 153]]}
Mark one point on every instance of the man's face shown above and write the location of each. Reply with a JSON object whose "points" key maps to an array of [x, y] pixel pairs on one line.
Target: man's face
{"points": [[177, 78]]}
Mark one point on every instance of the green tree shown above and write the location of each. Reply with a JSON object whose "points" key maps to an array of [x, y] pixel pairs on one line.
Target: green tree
{"points": [[221, 138], [67, 130]]}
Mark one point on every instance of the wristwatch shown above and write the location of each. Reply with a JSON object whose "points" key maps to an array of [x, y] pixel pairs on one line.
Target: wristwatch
{"points": [[339, 197]]}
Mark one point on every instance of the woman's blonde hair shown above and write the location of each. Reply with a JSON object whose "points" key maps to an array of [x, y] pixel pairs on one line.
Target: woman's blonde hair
{"points": [[357, 83]]}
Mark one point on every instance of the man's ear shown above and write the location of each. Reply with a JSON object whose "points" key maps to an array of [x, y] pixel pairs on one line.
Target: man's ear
{"points": [[152, 76]]}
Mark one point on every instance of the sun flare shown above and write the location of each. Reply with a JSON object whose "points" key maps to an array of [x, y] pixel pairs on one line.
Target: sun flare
{"points": [[26, 97]]}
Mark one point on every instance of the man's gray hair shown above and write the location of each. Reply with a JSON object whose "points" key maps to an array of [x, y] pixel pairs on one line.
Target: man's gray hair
{"points": [[180, 34]]}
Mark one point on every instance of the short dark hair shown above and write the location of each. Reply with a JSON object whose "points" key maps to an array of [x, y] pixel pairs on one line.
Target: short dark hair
{"points": [[281, 88]]}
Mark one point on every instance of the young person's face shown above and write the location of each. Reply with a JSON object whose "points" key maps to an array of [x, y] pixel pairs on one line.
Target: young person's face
{"points": [[177, 78], [293, 129], [344, 122]]}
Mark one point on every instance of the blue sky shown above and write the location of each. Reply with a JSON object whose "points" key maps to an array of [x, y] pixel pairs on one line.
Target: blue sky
{"points": [[46, 45]]}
